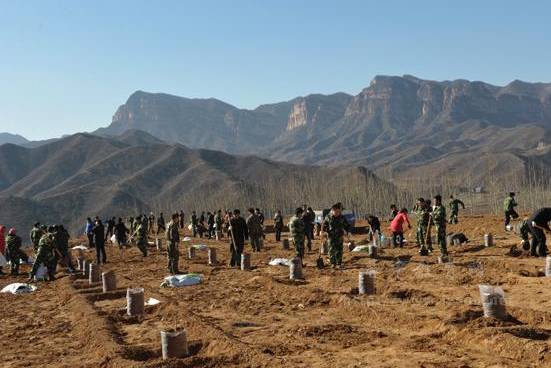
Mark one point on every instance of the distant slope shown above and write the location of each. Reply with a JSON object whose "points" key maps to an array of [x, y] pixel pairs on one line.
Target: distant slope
{"points": [[12, 138], [136, 137], [86, 175]]}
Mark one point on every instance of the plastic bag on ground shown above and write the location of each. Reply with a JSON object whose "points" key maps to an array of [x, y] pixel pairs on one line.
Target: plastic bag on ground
{"points": [[18, 288], [186, 238], [152, 301], [80, 247], [182, 280], [280, 262], [200, 246], [361, 248]]}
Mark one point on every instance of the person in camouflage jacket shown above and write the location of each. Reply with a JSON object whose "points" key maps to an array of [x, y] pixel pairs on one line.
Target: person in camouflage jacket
{"points": [[173, 238], [254, 226], [438, 217], [524, 232], [297, 231], [423, 214], [36, 234], [15, 254], [509, 205], [454, 209], [335, 227], [140, 234], [45, 255]]}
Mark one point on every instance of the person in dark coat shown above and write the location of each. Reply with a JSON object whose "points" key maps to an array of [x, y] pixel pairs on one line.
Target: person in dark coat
{"points": [[121, 232], [254, 227], [110, 228], [278, 225], [538, 224], [182, 217], [99, 241], [161, 225], [238, 234], [210, 223], [308, 217], [261, 218], [374, 226]]}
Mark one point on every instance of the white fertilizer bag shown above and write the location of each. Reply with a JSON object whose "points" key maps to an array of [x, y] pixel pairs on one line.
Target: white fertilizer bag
{"points": [[152, 301], [200, 246], [80, 247], [182, 280], [361, 248], [18, 288], [280, 262]]}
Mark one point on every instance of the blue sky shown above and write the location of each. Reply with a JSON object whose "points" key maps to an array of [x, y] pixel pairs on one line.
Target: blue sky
{"points": [[65, 66]]}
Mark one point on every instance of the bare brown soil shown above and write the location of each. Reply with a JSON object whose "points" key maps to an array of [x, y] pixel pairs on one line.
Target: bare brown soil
{"points": [[424, 314]]}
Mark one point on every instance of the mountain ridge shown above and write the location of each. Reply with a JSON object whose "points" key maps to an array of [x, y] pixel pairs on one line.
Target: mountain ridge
{"points": [[86, 175]]}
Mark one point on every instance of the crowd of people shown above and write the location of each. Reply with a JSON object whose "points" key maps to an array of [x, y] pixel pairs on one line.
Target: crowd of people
{"points": [[50, 247], [51, 243]]}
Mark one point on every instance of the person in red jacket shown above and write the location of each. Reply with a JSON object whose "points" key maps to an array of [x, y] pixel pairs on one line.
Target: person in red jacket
{"points": [[2, 244], [397, 227]]}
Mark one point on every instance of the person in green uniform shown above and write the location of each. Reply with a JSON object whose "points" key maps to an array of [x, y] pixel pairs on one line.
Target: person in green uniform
{"points": [[140, 234], [335, 227], [509, 205], [423, 214], [173, 238], [454, 209], [438, 218], [297, 231]]}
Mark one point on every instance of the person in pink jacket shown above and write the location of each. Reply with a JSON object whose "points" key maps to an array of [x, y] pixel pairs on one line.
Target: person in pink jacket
{"points": [[2, 244], [397, 227]]}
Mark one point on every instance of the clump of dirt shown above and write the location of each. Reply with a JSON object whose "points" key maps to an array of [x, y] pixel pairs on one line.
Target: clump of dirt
{"points": [[139, 353], [475, 319], [405, 294], [529, 333]]}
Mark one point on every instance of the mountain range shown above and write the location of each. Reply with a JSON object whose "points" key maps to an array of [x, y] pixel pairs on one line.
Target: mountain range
{"points": [[162, 151], [86, 175], [397, 126], [12, 138]]}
